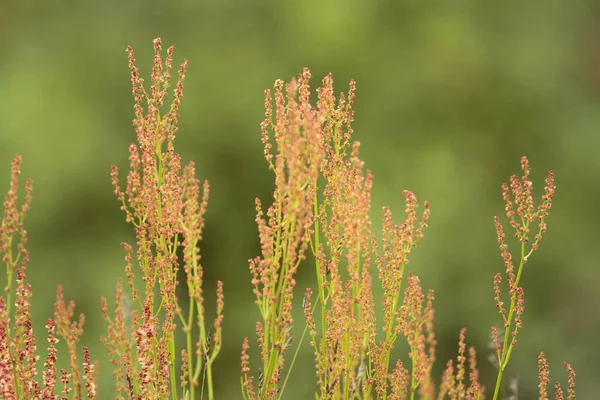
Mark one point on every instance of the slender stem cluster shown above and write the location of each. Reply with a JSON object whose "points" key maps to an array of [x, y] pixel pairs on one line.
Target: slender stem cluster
{"points": [[162, 202], [322, 193], [294, 128], [350, 361], [18, 348], [544, 378], [523, 216], [321, 208]]}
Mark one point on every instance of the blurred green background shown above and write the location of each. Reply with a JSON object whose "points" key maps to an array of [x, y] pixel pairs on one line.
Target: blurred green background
{"points": [[449, 96]]}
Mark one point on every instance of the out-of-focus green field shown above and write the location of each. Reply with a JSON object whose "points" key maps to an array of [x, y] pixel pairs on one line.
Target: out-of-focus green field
{"points": [[449, 96]]}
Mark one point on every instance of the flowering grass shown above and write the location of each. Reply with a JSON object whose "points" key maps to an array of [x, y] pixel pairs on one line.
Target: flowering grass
{"points": [[320, 212]]}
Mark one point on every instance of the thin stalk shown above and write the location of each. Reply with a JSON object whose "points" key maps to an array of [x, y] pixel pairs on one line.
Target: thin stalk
{"points": [[506, 348]]}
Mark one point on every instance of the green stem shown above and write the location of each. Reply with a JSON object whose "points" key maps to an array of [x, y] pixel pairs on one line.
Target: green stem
{"points": [[172, 366], [506, 347], [208, 368]]}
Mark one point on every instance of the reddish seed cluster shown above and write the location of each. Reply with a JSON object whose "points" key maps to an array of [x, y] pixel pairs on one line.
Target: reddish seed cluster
{"points": [[453, 380], [71, 333], [521, 212], [544, 378], [89, 371], [18, 349], [341, 317], [520, 208], [293, 127], [163, 202], [544, 373]]}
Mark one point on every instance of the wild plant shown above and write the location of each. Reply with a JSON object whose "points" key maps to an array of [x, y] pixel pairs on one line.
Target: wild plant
{"points": [[319, 216]]}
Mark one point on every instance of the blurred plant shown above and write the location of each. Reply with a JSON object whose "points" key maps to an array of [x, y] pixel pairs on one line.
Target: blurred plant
{"points": [[18, 348], [544, 373], [321, 202]]}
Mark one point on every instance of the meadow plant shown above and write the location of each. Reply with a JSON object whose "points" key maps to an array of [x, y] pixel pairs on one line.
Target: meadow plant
{"points": [[163, 203], [320, 214]]}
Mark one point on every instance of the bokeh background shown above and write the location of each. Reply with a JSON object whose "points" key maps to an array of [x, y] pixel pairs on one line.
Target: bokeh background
{"points": [[450, 96]]}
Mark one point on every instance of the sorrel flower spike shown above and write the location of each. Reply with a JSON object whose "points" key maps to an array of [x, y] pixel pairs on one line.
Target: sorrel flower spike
{"points": [[165, 203]]}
